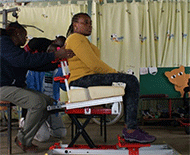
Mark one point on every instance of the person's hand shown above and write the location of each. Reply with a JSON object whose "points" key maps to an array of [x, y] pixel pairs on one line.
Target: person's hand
{"points": [[64, 53]]}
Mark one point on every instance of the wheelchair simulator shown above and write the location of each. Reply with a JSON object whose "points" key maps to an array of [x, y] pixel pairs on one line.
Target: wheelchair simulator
{"points": [[84, 105], [83, 102]]}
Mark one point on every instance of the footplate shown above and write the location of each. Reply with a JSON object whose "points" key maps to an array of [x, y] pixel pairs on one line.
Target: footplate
{"points": [[121, 148]]}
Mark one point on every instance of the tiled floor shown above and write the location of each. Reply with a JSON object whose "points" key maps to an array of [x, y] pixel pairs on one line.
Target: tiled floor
{"points": [[174, 136]]}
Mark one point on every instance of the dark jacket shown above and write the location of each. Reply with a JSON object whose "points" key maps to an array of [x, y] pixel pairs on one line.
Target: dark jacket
{"points": [[15, 62], [39, 44]]}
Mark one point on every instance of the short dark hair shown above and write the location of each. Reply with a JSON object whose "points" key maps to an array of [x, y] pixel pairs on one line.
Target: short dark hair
{"points": [[60, 40], [52, 48], [15, 25], [12, 27]]}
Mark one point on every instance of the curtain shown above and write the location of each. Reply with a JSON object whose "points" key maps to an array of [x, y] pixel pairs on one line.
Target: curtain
{"points": [[119, 35], [53, 20], [142, 34], [167, 34], [129, 35]]}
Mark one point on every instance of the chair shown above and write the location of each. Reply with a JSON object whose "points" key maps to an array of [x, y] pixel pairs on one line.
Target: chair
{"points": [[6, 105], [82, 100]]}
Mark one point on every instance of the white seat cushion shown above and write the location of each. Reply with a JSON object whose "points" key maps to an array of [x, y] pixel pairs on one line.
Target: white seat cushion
{"points": [[76, 95], [95, 92]]}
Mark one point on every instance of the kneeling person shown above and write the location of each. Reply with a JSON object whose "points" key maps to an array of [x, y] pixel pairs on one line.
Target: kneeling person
{"points": [[43, 81]]}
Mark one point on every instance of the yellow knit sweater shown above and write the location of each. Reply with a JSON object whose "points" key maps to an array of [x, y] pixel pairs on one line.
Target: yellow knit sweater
{"points": [[87, 58]]}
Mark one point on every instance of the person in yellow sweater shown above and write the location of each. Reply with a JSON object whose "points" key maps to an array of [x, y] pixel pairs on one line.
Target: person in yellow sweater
{"points": [[87, 69]]}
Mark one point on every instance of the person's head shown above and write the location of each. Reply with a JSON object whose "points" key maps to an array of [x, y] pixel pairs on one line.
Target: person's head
{"points": [[60, 40], [52, 48], [81, 23], [17, 33]]}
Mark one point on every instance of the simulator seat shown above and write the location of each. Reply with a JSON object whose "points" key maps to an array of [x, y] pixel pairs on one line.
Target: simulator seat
{"points": [[82, 101]]}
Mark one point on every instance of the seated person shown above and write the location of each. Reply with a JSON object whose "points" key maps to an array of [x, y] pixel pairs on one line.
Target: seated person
{"points": [[87, 69], [15, 63], [43, 82]]}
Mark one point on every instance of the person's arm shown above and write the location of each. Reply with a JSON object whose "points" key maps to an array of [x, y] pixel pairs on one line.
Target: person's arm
{"points": [[17, 57], [46, 67], [39, 44], [80, 45]]}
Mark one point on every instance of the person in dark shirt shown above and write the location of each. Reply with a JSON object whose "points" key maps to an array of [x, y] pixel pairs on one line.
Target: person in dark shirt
{"points": [[39, 45], [15, 63], [43, 82]]}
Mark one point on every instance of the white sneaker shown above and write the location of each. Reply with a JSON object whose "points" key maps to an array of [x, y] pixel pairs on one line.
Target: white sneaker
{"points": [[21, 122]]}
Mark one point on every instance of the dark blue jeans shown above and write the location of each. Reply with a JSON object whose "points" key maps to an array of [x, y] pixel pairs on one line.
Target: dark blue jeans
{"points": [[130, 99]]}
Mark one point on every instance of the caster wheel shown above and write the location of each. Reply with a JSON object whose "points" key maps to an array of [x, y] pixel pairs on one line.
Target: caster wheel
{"points": [[111, 119]]}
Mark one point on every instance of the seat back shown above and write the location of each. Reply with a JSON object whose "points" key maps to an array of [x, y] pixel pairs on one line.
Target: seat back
{"points": [[66, 73]]}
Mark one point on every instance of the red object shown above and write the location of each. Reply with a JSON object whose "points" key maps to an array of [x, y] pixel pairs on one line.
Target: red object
{"points": [[93, 111], [132, 147], [58, 48], [55, 146], [58, 60], [184, 121], [61, 79], [27, 48]]}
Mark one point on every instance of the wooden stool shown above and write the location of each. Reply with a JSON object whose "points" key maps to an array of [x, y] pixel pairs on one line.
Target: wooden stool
{"points": [[6, 105]]}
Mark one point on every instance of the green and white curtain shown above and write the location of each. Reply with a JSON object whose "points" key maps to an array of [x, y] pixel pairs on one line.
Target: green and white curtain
{"points": [[142, 34], [52, 19], [129, 35]]}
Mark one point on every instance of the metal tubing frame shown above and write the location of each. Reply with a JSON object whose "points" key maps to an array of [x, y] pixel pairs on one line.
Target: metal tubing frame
{"points": [[102, 119], [9, 137], [5, 12], [81, 130]]}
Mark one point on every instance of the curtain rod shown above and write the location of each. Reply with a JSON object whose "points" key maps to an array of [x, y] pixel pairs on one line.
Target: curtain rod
{"points": [[66, 1], [24, 1]]}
